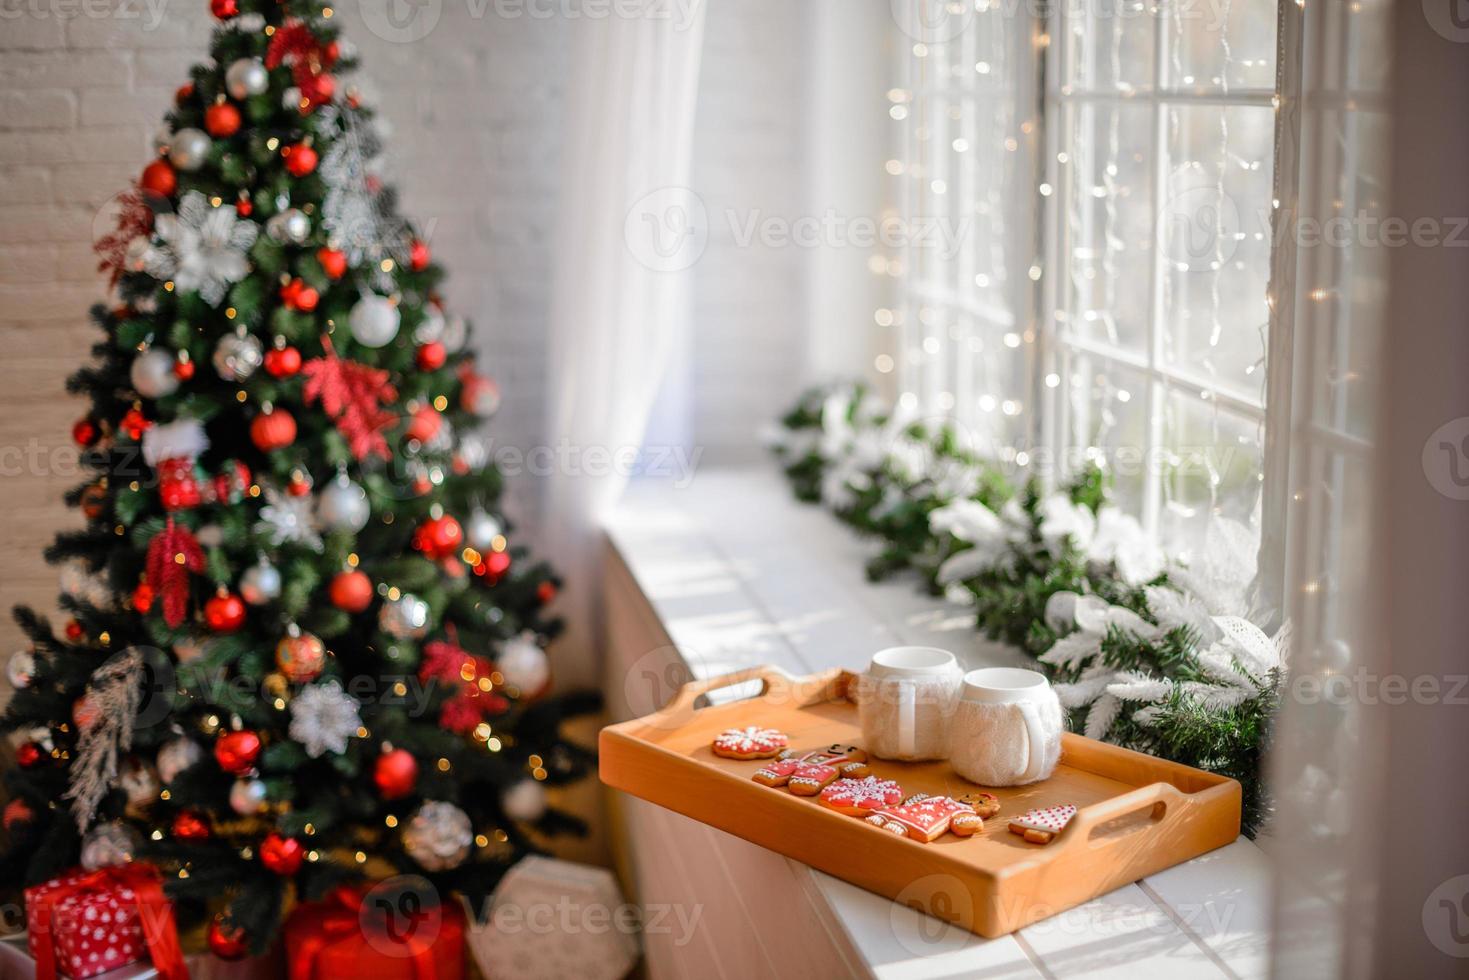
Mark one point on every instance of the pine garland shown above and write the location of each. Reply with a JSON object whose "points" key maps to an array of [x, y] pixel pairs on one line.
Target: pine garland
{"points": [[1145, 652]]}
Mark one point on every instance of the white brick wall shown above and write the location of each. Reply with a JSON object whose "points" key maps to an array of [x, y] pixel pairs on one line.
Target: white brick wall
{"points": [[475, 144]]}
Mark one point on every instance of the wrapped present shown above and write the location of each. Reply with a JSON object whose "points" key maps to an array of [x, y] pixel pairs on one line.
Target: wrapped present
{"points": [[551, 918], [399, 930], [88, 922]]}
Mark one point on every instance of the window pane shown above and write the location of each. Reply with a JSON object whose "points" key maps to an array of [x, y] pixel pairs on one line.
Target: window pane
{"points": [[1108, 45], [1211, 471], [1109, 423], [1226, 46]]}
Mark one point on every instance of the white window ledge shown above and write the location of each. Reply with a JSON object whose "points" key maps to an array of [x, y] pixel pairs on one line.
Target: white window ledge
{"points": [[730, 572]]}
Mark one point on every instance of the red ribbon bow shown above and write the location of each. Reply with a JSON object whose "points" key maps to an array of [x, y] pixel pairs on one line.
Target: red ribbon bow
{"points": [[340, 920], [155, 915]]}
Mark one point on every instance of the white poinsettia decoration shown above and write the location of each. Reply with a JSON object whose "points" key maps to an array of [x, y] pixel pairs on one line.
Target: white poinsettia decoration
{"points": [[1121, 541], [200, 247], [323, 717], [285, 518]]}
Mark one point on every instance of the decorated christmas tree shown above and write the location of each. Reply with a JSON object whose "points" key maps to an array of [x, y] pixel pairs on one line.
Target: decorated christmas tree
{"points": [[301, 650]]}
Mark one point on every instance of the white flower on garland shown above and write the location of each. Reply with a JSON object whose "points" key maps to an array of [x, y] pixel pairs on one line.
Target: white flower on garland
{"points": [[323, 717], [1062, 520], [285, 518], [201, 248], [954, 479], [1121, 541], [988, 534]]}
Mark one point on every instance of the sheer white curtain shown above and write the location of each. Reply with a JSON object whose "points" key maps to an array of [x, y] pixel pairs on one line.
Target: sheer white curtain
{"points": [[626, 221]]}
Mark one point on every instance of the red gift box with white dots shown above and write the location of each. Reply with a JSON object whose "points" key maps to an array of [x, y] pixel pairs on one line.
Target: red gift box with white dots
{"points": [[91, 931]]}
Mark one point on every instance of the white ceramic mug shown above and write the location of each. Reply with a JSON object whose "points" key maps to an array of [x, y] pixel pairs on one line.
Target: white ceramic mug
{"points": [[905, 701], [1007, 727]]}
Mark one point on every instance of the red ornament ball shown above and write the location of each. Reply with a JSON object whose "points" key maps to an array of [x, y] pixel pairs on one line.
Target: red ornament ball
{"points": [[282, 855], [134, 423], [333, 262], [299, 485], [395, 774], [188, 825], [143, 597], [418, 255], [28, 755], [545, 592], [301, 657], [282, 362], [431, 356], [224, 9], [224, 613], [243, 207], [226, 941], [425, 424], [236, 752], [17, 812], [222, 119], [496, 563], [183, 93], [183, 368], [351, 591], [439, 537], [74, 631], [85, 433], [300, 159], [273, 429], [159, 178]]}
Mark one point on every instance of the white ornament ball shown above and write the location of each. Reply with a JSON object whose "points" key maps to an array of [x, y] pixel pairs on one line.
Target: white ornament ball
{"points": [[374, 320], [523, 664], [485, 400], [474, 452], [152, 373], [438, 836], [189, 149], [135, 258], [261, 583], [342, 505], [110, 844], [245, 78], [237, 356], [456, 333], [432, 327], [526, 800], [247, 796], [291, 98], [405, 617], [176, 756], [21, 669], [482, 529], [290, 227]]}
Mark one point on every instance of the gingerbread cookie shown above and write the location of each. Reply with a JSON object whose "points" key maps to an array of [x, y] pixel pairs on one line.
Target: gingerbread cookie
{"points": [[858, 797], [984, 804], [1041, 826], [751, 742], [922, 818], [807, 774]]}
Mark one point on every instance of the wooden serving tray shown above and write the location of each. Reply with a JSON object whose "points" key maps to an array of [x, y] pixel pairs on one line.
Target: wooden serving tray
{"points": [[1136, 814]]}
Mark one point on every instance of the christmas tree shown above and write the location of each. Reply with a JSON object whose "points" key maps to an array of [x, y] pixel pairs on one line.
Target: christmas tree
{"points": [[301, 651]]}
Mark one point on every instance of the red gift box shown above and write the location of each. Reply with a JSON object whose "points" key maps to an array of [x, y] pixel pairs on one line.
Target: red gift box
{"points": [[386, 934], [88, 922]]}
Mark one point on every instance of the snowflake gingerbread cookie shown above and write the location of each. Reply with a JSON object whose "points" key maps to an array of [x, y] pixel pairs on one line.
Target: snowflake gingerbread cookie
{"points": [[923, 818], [1041, 826], [807, 775], [859, 797], [751, 742]]}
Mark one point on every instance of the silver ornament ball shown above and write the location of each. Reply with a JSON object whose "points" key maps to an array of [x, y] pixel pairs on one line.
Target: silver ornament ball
{"points": [[405, 617], [523, 664], [526, 800], [482, 529], [237, 356], [246, 77], [247, 796], [374, 321], [438, 836], [21, 669], [343, 506], [152, 374], [110, 844], [189, 149], [261, 583], [176, 756], [290, 227]]}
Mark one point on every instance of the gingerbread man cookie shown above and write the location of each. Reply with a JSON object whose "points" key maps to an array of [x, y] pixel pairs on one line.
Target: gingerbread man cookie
{"points": [[751, 742], [857, 797], [924, 818], [984, 804], [807, 774], [1041, 826]]}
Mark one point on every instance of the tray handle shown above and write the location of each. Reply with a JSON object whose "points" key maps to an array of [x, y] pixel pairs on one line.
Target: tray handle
{"points": [[1164, 798], [777, 683]]}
